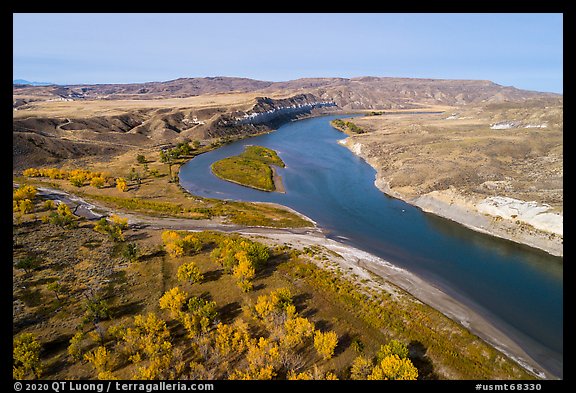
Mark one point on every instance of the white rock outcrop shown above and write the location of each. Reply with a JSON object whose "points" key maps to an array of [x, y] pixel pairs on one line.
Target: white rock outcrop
{"points": [[532, 213], [504, 125], [356, 148]]}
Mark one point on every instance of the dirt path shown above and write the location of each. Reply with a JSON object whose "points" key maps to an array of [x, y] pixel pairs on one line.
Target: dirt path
{"points": [[59, 126]]}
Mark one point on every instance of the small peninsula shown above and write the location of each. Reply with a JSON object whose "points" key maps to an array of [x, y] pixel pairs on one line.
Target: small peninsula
{"points": [[346, 127], [253, 168]]}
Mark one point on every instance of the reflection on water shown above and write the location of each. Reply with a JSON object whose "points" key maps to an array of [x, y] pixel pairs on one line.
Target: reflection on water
{"points": [[507, 249]]}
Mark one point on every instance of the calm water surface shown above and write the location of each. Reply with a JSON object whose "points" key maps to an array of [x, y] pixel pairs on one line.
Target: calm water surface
{"points": [[520, 289]]}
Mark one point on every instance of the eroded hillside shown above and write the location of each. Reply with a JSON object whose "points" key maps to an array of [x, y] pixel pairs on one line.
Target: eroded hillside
{"points": [[50, 131]]}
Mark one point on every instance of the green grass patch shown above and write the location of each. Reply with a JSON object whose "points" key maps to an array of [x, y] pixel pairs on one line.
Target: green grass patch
{"points": [[252, 214], [246, 172], [250, 169], [263, 154], [151, 207], [240, 213]]}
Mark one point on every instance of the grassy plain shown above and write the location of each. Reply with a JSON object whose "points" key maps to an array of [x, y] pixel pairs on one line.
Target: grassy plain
{"points": [[90, 108]]}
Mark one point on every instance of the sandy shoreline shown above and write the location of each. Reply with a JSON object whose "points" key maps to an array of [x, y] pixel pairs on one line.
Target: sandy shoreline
{"points": [[278, 184]]}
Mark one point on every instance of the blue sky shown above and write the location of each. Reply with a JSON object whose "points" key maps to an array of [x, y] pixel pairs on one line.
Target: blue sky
{"points": [[521, 50]]}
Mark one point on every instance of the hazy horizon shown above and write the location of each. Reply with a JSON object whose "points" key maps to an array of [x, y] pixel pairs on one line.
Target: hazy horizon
{"points": [[227, 76], [520, 50]]}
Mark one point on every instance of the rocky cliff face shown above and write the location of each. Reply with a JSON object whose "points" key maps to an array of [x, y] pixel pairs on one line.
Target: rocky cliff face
{"points": [[267, 114], [270, 111]]}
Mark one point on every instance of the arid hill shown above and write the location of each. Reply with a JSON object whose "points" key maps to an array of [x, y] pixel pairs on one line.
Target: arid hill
{"points": [[49, 131], [178, 88], [405, 93], [354, 93]]}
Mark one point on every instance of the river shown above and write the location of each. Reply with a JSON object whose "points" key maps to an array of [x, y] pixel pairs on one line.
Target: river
{"points": [[518, 288]]}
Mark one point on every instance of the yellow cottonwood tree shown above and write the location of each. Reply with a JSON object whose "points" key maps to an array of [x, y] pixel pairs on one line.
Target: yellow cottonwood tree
{"points": [[49, 204], [148, 338], [329, 376], [26, 356], [263, 352], [226, 253], [395, 368], [296, 331], [75, 347], [112, 228], [120, 222], [31, 172], [394, 347], [263, 359], [147, 345], [98, 182], [191, 244], [77, 180], [121, 184], [178, 246], [314, 374], [154, 369], [275, 308], [170, 237], [173, 300], [24, 192], [361, 368], [189, 272], [174, 250], [261, 373], [232, 339], [294, 376], [325, 343], [26, 206], [243, 272], [101, 360], [201, 313], [197, 371]]}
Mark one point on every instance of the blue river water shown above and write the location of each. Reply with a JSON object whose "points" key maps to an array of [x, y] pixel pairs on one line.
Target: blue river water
{"points": [[518, 288]]}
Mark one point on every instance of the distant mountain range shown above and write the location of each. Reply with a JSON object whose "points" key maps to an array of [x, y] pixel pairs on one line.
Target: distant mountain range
{"points": [[25, 82], [347, 93]]}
